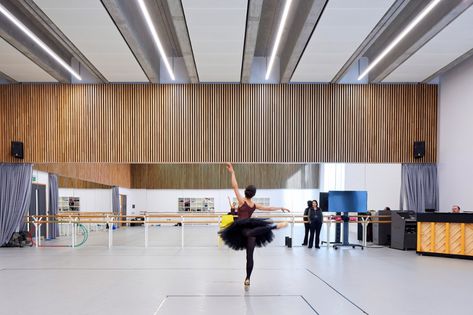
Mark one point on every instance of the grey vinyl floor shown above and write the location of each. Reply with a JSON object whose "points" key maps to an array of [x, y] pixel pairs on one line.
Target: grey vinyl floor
{"points": [[202, 278]]}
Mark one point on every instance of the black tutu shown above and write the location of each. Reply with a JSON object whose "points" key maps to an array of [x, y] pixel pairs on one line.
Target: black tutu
{"points": [[233, 235]]}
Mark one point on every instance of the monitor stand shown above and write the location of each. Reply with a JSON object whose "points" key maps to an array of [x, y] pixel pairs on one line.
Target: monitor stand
{"points": [[346, 234], [337, 233]]}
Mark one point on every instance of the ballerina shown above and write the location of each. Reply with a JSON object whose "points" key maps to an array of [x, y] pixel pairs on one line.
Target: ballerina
{"points": [[246, 232]]}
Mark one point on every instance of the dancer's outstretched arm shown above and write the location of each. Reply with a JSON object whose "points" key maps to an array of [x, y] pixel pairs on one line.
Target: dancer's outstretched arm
{"points": [[268, 208], [239, 197]]}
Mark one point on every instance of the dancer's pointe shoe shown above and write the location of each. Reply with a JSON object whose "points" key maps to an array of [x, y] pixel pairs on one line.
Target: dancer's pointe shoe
{"points": [[247, 282], [281, 225]]}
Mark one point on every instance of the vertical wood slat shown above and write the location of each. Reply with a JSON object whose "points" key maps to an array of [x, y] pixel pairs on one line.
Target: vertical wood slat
{"points": [[215, 123]]}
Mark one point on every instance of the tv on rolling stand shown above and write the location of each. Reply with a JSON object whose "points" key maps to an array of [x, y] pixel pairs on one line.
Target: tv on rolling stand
{"points": [[347, 201]]}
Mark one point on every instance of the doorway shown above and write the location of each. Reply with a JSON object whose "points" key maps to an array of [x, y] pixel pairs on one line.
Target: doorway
{"points": [[38, 204], [123, 209]]}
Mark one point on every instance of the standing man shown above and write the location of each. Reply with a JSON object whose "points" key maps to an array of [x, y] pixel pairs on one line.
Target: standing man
{"points": [[306, 222]]}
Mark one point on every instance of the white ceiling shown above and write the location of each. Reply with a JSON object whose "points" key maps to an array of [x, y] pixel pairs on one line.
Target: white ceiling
{"points": [[217, 34], [453, 41], [87, 24], [20, 68], [341, 29]]}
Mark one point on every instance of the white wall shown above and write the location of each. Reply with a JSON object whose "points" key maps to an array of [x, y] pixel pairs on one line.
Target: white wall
{"points": [[165, 200], [91, 200], [455, 142], [382, 181]]}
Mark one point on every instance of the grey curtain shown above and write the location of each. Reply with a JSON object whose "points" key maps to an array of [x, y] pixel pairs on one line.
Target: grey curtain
{"points": [[116, 201], [419, 187], [53, 205], [15, 194]]}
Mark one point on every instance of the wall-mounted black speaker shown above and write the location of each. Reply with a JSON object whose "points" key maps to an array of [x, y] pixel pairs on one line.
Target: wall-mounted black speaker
{"points": [[17, 149], [419, 149]]}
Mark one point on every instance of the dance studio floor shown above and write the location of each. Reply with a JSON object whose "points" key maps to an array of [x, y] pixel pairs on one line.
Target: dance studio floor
{"points": [[202, 278]]}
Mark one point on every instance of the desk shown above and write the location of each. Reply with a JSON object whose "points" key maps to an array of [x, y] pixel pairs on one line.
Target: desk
{"points": [[445, 234]]}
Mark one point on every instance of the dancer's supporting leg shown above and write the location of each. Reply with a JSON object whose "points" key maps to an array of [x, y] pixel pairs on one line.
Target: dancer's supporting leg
{"points": [[250, 249], [250, 235]]}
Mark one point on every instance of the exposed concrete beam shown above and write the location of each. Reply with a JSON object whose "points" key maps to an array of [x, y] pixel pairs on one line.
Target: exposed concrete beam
{"points": [[384, 23], [180, 27], [450, 66], [444, 13], [127, 17], [295, 45], [251, 35]]}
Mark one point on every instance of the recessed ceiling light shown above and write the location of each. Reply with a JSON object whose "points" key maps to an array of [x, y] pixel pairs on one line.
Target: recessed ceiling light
{"points": [[38, 41], [155, 36], [282, 23], [403, 34]]}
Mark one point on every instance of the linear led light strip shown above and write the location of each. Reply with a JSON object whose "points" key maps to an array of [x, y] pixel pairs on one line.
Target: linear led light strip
{"points": [[38, 41], [150, 24], [278, 37], [400, 37]]}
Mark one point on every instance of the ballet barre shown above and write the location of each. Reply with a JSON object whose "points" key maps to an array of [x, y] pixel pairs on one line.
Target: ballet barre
{"points": [[149, 219], [365, 220]]}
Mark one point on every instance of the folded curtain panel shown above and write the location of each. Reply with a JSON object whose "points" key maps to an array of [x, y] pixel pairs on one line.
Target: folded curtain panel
{"points": [[53, 204], [419, 187], [15, 194]]}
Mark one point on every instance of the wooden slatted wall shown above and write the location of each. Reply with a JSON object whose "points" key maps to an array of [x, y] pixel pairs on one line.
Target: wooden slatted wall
{"points": [[215, 176], [216, 123]]}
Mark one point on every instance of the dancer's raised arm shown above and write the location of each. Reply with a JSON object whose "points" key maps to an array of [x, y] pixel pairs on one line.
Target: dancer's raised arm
{"points": [[268, 208], [235, 184]]}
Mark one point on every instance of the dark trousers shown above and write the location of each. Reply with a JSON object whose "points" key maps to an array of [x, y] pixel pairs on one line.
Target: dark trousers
{"points": [[315, 226], [306, 233]]}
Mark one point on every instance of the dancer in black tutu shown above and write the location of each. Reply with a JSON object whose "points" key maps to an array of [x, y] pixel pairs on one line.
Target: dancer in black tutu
{"points": [[246, 232]]}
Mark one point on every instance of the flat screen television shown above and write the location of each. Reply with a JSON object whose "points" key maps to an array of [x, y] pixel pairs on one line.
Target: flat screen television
{"points": [[347, 201]]}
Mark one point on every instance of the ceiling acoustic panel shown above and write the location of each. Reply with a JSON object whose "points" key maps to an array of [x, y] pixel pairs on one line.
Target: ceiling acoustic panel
{"points": [[20, 68], [342, 28], [89, 27], [217, 34], [453, 41]]}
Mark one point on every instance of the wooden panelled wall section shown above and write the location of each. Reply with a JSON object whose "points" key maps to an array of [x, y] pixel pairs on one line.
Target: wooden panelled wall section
{"points": [[215, 123], [67, 182], [105, 174], [215, 176]]}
